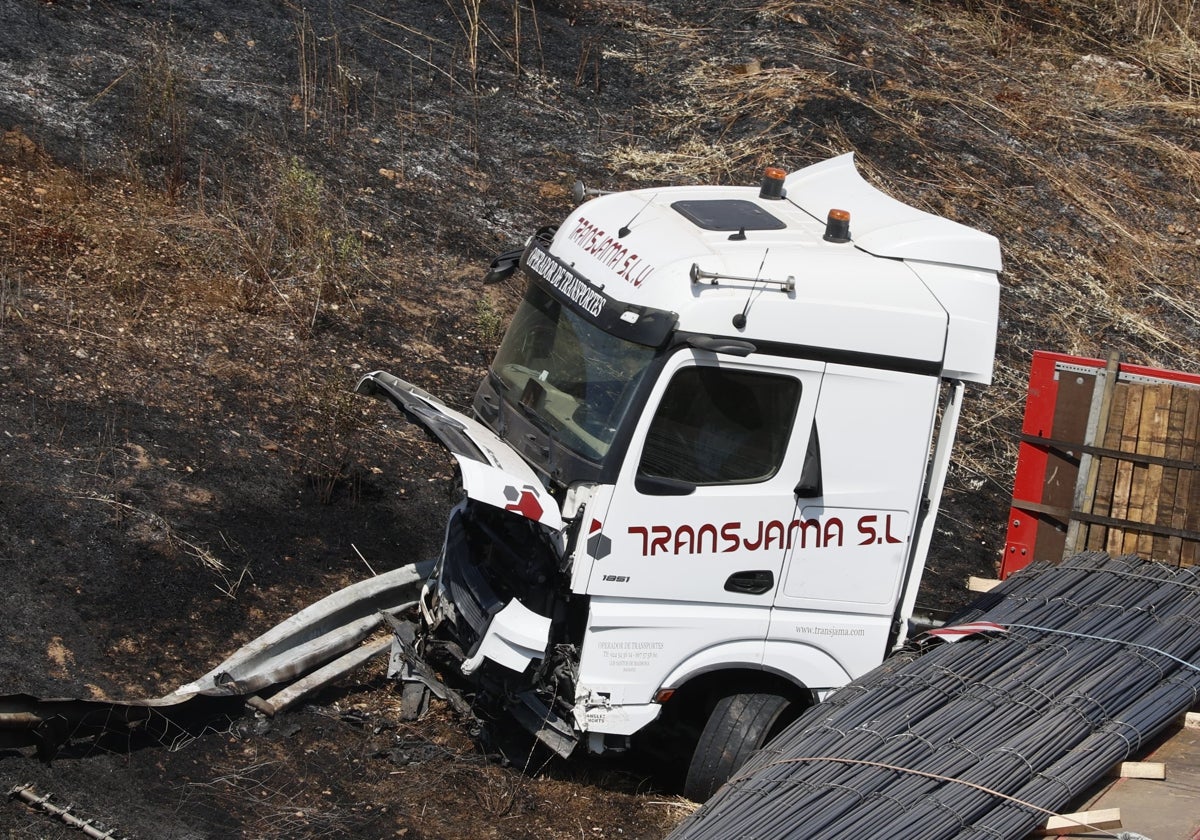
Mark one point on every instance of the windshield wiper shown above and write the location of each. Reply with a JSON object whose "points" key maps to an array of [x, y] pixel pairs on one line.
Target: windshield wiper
{"points": [[536, 419], [533, 395], [498, 381]]}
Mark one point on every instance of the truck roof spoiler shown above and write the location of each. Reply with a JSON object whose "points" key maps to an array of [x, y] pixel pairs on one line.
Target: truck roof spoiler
{"points": [[885, 226]]}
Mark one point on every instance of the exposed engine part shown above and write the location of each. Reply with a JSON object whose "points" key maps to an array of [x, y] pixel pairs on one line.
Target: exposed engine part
{"points": [[408, 665]]}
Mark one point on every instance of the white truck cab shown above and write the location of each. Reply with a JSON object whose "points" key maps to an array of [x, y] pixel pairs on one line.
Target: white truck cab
{"points": [[702, 470]]}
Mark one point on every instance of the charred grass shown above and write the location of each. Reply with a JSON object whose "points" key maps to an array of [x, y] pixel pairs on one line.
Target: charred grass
{"points": [[179, 330]]}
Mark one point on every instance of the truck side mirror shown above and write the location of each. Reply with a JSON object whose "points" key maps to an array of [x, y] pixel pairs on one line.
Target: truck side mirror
{"points": [[503, 266], [809, 486]]}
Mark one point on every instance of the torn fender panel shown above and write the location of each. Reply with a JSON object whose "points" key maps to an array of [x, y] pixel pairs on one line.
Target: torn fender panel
{"points": [[515, 637], [493, 473]]}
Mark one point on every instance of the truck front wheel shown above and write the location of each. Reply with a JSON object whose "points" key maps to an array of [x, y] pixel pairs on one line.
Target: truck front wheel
{"points": [[738, 725]]}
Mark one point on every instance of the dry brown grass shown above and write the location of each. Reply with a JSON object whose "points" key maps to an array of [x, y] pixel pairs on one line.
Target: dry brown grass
{"points": [[329, 435], [1150, 19], [1069, 134], [729, 96], [1157, 35], [293, 252]]}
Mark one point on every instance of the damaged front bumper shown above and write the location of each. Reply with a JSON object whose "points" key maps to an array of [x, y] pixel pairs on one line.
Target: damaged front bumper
{"points": [[515, 637], [495, 604]]}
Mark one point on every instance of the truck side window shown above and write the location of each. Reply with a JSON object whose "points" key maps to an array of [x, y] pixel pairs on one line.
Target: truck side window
{"points": [[719, 426]]}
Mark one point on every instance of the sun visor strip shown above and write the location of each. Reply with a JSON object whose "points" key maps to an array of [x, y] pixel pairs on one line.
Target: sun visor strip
{"points": [[830, 355], [639, 324]]}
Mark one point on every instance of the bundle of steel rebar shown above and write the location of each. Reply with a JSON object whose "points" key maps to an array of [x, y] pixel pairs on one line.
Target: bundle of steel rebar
{"points": [[985, 737]]}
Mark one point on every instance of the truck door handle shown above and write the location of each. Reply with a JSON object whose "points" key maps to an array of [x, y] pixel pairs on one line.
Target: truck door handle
{"points": [[752, 582]]}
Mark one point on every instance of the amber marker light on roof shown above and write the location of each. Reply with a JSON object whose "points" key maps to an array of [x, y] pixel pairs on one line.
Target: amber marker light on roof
{"points": [[772, 183], [837, 226]]}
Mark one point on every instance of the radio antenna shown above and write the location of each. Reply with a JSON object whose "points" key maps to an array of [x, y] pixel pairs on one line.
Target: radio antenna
{"points": [[739, 320], [625, 229]]}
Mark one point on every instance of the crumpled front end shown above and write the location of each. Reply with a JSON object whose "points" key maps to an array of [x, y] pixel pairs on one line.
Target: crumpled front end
{"points": [[498, 606], [490, 560]]}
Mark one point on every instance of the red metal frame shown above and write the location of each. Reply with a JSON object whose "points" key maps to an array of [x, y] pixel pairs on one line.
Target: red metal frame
{"points": [[1040, 405]]}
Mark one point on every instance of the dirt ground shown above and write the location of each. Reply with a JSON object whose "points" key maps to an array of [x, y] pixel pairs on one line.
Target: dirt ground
{"points": [[215, 216]]}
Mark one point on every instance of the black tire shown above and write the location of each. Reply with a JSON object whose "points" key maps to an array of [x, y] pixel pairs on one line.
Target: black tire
{"points": [[738, 725]]}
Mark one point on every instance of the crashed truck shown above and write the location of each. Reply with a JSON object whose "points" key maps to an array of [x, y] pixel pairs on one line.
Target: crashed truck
{"points": [[701, 474]]}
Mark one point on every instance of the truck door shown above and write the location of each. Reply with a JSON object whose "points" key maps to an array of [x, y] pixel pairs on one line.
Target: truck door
{"points": [[700, 511], [854, 514]]}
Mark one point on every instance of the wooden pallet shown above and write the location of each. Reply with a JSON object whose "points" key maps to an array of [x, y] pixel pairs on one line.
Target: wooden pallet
{"points": [[1108, 461]]}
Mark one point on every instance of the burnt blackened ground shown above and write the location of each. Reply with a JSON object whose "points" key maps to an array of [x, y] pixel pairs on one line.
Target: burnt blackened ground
{"points": [[181, 465], [216, 216]]}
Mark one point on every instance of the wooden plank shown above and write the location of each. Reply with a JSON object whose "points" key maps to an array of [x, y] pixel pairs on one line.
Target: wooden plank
{"points": [[1075, 392], [1051, 444], [1107, 472], [1168, 549], [1142, 770], [981, 584], [1097, 423], [1082, 821], [1115, 541], [1108, 521], [1153, 439], [1188, 481], [1130, 467], [1139, 478]]}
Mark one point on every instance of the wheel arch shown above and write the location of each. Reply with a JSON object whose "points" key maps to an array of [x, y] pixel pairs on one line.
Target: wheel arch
{"points": [[799, 672], [698, 684], [808, 665]]}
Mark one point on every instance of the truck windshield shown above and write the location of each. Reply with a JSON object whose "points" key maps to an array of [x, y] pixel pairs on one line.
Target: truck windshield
{"points": [[567, 375]]}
